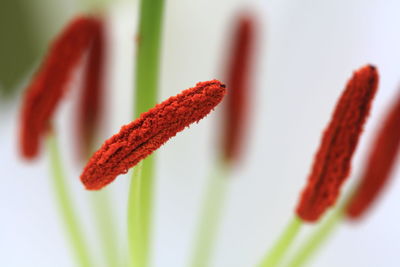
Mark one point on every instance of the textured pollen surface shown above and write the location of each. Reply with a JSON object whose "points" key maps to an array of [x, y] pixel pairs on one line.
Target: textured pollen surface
{"points": [[333, 159], [379, 165], [48, 85], [138, 139], [238, 77]]}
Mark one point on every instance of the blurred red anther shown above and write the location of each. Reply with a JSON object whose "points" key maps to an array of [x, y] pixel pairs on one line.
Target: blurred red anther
{"points": [[379, 165], [333, 160], [91, 96], [48, 85], [152, 129], [238, 82]]}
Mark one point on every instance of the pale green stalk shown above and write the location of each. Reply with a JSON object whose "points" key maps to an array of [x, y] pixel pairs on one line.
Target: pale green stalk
{"points": [[210, 217], [282, 245], [147, 77], [134, 218], [139, 214], [101, 202], [148, 55], [106, 227], [66, 207], [322, 233], [311, 245]]}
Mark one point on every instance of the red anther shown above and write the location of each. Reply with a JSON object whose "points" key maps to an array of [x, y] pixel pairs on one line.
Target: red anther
{"points": [[333, 160], [152, 129], [379, 164], [92, 93], [47, 87], [238, 82]]}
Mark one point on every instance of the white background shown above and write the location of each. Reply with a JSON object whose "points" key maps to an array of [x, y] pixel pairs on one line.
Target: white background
{"points": [[307, 51]]}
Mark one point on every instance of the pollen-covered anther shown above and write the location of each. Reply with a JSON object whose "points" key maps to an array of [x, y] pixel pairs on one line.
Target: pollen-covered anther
{"points": [[379, 166], [239, 71], [50, 82], [333, 160], [152, 129], [91, 100]]}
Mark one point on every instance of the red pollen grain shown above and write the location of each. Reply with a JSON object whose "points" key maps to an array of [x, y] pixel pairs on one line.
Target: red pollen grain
{"points": [[48, 85], [91, 95], [333, 160], [152, 129], [238, 81], [380, 163]]}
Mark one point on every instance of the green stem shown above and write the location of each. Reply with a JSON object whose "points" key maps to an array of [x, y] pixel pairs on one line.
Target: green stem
{"points": [[148, 54], [63, 198], [323, 232], [147, 77], [315, 241], [139, 213], [278, 251], [105, 225], [210, 217], [134, 218]]}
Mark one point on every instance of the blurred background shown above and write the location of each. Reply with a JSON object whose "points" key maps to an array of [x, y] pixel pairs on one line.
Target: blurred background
{"points": [[306, 51]]}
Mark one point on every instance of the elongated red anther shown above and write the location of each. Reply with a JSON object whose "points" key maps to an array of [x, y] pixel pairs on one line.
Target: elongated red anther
{"points": [[48, 85], [238, 82], [379, 165], [333, 160], [91, 95], [152, 129]]}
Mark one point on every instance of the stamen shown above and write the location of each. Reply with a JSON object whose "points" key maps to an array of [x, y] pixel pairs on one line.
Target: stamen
{"points": [[379, 165], [152, 129], [91, 97], [333, 159], [238, 81], [47, 87]]}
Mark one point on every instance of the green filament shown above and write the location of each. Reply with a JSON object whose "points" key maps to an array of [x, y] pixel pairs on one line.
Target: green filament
{"points": [[106, 226], [67, 211], [281, 247], [315, 241], [147, 77], [210, 216], [139, 213]]}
